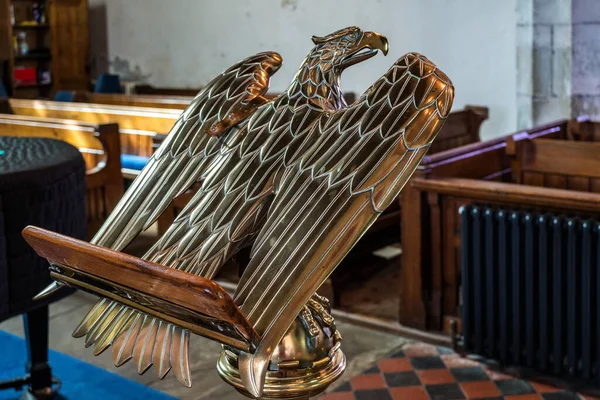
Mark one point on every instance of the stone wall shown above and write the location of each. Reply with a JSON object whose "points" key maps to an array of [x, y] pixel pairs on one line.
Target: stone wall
{"points": [[586, 58], [558, 60], [185, 43], [544, 59]]}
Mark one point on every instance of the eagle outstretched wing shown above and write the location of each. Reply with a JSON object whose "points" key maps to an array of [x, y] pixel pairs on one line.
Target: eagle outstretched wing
{"points": [[193, 149], [189, 148], [239, 171], [224, 214], [328, 196]]}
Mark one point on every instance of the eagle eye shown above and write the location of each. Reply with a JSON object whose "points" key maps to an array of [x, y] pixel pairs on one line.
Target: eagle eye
{"points": [[352, 36]]}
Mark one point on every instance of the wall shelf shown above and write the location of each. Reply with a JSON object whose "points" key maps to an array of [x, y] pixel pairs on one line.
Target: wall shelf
{"points": [[65, 35]]}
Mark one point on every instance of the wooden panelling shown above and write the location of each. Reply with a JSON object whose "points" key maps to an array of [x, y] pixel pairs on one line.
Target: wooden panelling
{"points": [[136, 100], [461, 128], [557, 161]]}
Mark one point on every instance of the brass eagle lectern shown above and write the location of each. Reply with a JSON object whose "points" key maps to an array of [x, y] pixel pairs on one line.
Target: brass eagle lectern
{"points": [[299, 178]]}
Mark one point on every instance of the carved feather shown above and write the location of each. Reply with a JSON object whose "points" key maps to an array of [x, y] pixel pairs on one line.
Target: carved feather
{"points": [[180, 361], [91, 318], [162, 351], [122, 350], [142, 355]]}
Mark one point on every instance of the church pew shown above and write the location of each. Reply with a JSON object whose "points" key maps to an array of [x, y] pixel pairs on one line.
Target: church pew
{"points": [[134, 118], [430, 231], [462, 128], [152, 100], [582, 129], [422, 300], [100, 147], [559, 164], [137, 125], [133, 100]]}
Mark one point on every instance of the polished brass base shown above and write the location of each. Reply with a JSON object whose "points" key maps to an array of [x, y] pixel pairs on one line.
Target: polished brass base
{"points": [[293, 383], [305, 362]]}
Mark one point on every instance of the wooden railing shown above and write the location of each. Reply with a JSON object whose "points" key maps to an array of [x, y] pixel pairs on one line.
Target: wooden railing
{"points": [[430, 270]]}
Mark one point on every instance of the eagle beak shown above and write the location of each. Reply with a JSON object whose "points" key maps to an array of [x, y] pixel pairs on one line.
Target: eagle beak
{"points": [[366, 48], [375, 41]]}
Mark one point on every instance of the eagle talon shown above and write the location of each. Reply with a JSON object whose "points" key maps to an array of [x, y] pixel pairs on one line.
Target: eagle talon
{"points": [[320, 312], [323, 300], [309, 322], [315, 315]]}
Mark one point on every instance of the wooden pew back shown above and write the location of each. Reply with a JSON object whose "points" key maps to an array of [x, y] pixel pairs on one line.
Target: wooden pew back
{"points": [[148, 119], [583, 129], [134, 100], [100, 147], [559, 164], [152, 90], [137, 125], [461, 128], [177, 102]]}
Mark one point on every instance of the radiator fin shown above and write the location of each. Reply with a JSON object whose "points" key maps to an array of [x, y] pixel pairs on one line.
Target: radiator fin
{"points": [[531, 289]]}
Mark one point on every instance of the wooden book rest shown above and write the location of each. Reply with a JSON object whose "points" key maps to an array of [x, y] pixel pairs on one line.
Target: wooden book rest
{"points": [[184, 299]]}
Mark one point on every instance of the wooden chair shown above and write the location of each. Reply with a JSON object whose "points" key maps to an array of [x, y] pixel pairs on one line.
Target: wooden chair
{"points": [[99, 145]]}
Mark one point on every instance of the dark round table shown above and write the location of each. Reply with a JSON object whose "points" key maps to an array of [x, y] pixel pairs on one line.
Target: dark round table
{"points": [[42, 183]]}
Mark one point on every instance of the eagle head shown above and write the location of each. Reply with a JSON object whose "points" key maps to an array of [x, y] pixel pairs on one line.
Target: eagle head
{"points": [[345, 47], [318, 78]]}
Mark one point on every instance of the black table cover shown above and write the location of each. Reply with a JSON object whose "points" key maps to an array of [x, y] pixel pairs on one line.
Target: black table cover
{"points": [[42, 183]]}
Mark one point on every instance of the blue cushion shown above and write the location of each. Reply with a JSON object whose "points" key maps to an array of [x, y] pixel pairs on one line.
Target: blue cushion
{"points": [[63, 95], [108, 83], [134, 162]]}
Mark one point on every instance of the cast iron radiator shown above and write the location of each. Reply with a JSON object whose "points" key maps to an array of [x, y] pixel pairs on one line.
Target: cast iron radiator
{"points": [[531, 290]]}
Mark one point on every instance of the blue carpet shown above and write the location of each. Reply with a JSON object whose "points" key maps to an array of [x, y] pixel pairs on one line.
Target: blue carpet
{"points": [[80, 380]]}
